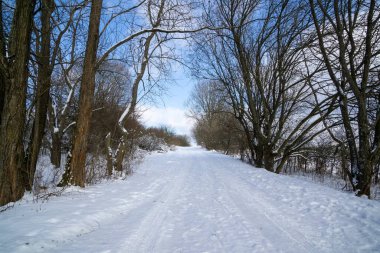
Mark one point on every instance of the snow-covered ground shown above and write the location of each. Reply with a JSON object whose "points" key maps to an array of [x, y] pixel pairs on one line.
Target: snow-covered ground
{"points": [[191, 200]]}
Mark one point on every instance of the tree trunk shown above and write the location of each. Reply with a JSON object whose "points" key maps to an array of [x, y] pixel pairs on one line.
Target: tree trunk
{"points": [[109, 155], [55, 152], [280, 166], [376, 179], [364, 180], [268, 160], [14, 76], [2, 93], [364, 157], [75, 172], [2, 71], [258, 156], [42, 94], [120, 154]]}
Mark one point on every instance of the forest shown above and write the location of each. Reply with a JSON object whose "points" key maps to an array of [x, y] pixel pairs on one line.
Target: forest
{"points": [[284, 85]]}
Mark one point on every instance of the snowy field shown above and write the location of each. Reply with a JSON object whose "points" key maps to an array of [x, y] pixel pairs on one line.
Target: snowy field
{"points": [[191, 200]]}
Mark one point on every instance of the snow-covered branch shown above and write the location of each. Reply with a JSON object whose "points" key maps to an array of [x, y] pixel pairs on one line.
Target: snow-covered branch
{"points": [[144, 31], [122, 118]]}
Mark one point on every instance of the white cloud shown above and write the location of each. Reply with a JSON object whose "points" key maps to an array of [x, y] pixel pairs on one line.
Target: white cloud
{"points": [[169, 116]]}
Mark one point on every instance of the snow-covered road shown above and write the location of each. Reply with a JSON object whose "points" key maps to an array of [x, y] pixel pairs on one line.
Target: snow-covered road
{"points": [[192, 200]]}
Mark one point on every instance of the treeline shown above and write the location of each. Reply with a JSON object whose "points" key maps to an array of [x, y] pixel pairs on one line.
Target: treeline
{"points": [[72, 73], [286, 81], [168, 136]]}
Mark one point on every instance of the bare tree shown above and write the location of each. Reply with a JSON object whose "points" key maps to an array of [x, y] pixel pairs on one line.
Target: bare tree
{"points": [[348, 40], [260, 60], [75, 171], [14, 55], [67, 74]]}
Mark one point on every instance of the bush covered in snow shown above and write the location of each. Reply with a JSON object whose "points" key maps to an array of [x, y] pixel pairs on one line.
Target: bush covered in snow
{"points": [[152, 143]]}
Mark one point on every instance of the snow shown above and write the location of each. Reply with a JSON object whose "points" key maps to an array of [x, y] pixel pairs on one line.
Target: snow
{"points": [[122, 117], [192, 200], [68, 99]]}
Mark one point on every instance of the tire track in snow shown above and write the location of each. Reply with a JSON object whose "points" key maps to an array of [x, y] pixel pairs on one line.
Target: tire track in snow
{"points": [[252, 240], [191, 216], [147, 234], [256, 208], [206, 186], [228, 225], [118, 215]]}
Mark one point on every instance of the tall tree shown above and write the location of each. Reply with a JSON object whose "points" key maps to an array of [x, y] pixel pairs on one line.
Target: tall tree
{"points": [[348, 40], [75, 171], [42, 92], [144, 58], [14, 56], [66, 55]]}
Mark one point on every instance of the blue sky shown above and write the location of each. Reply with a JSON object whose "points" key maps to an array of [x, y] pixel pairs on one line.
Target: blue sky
{"points": [[179, 91], [171, 109]]}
